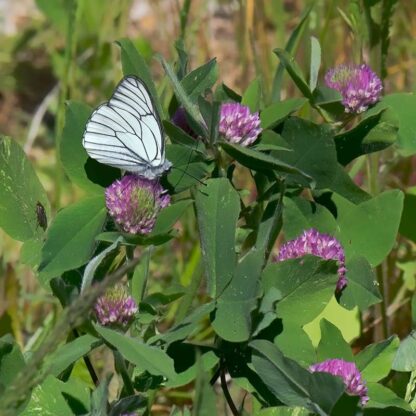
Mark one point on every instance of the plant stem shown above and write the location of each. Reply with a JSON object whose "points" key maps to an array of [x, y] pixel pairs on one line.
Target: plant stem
{"points": [[122, 370], [88, 364], [227, 394]]}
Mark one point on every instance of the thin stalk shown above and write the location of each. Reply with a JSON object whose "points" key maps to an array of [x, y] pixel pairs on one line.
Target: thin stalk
{"points": [[88, 364], [227, 394], [121, 368]]}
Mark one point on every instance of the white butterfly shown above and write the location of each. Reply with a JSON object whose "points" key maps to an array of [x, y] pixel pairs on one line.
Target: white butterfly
{"points": [[126, 132]]}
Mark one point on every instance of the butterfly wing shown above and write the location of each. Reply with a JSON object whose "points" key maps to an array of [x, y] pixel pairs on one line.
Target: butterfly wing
{"points": [[126, 132]]}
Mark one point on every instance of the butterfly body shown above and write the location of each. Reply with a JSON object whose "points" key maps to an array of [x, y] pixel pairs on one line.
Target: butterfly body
{"points": [[126, 132]]}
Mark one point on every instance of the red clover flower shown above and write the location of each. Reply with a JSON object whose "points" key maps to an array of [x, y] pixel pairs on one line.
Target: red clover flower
{"points": [[359, 86], [349, 373], [238, 125], [115, 308], [317, 244], [134, 203]]}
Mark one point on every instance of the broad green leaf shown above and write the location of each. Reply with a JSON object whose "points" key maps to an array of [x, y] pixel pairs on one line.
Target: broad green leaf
{"points": [[68, 353], [168, 216], [332, 343], [236, 303], [382, 397], [276, 113], [134, 64], [295, 344], [178, 136], [140, 276], [407, 222], [48, 398], [315, 63], [300, 215], [56, 12], [87, 173], [388, 411], [186, 363], [313, 150], [375, 361], [70, 241], [200, 79], [306, 285], [252, 96], [145, 357], [217, 208], [99, 398], [294, 71], [20, 192], [362, 289], [405, 359], [292, 384], [189, 168], [357, 222], [372, 134], [402, 104], [262, 162]]}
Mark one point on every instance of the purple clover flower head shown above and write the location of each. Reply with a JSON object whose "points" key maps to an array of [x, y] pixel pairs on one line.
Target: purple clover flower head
{"points": [[115, 308], [317, 244], [134, 203], [179, 119], [359, 86], [348, 371], [238, 124]]}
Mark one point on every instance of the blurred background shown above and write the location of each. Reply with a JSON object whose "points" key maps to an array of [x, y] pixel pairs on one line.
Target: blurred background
{"points": [[55, 50]]}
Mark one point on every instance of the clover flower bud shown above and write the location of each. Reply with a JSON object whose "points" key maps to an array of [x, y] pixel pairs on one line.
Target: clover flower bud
{"points": [[238, 125], [348, 371], [317, 244], [116, 308], [135, 202], [359, 86]]}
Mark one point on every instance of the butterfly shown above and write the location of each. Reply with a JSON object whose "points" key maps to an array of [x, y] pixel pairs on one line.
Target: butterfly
{"points": [[126, 132]]}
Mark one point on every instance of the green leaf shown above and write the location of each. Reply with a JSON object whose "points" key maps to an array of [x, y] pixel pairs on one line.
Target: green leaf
{"points": [[315, 63], [306, 285], [145, 357], [259, 161], [20, 192], [232, 320], [134, 64], [252, 96], [273, 115], [405, 359], [185, 327], [53, 397], [407, 222], [296, 344], [292, 384], [402, 104], [178, 136], [56, 12], [99, 398], [382, 397], [196, 82], [168, 216], [357, 222], [313, 150], [372, 134], [332, 343], [11, 360], [294, 71], [388, 411], [362, 289], [189, 168], [140, 276], [300, 214], [95, 262], [217, 208], [290, 47], [83, 171], [68, 353], [189, 361], [375, 361], [70, 241]]}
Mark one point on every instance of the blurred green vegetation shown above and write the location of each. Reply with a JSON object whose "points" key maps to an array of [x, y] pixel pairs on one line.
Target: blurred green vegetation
{"points": [[53, 51]]}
